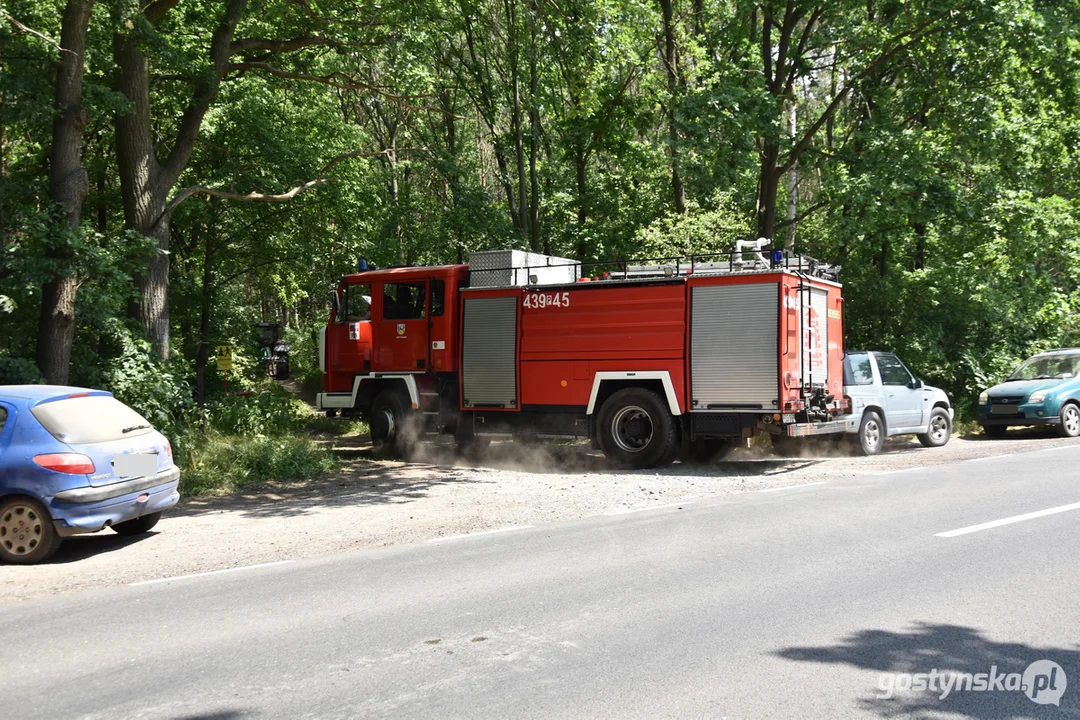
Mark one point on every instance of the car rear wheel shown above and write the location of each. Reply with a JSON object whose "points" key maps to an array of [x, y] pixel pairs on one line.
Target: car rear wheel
{"points": [[1070, 421], [871, 437], [138, 526], [938, 431], [637, 430], [27, 535]]}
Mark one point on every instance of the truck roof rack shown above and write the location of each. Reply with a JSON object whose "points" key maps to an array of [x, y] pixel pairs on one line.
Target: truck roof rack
{"points": [[513, 268]]}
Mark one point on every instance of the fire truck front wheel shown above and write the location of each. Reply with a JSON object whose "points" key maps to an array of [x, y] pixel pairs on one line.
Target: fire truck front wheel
{"points": [[636, 429], [391, 424]]}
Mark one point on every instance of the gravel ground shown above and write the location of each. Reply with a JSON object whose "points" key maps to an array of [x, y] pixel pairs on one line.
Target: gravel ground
{"points": [[373, 503]]}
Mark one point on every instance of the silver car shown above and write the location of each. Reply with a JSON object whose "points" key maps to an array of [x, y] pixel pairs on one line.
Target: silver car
{"points": [[887, 400]]}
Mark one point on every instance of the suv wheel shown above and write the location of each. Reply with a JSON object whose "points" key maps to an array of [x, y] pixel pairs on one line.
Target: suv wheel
{"points": [[871, 437], [938, 431]]}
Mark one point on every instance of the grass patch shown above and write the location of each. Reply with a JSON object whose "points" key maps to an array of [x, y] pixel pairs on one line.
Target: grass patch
{"points": [[214, 462]]}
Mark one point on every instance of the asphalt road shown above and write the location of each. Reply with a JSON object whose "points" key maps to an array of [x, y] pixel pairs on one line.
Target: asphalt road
{"points": [[799, 602]]}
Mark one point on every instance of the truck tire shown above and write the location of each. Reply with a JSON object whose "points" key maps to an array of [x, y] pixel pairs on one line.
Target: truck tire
{"points": [[636, 429], [393, 427], [871, 437], [939, 429], [1070, 421]]}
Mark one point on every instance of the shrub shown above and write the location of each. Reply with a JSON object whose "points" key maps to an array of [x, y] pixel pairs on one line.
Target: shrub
{"points": [[213, 462], [19, 371]]}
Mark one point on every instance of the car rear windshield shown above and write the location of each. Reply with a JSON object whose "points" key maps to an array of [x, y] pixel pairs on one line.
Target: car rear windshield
{"points": [[94, 419]]}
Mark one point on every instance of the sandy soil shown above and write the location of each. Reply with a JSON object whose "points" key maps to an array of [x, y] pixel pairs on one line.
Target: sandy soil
{"points": [[374, 502]]}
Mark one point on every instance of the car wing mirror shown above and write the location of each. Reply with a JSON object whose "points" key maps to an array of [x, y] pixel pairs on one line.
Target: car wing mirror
{"points": [[335, 300], [916, 385]]}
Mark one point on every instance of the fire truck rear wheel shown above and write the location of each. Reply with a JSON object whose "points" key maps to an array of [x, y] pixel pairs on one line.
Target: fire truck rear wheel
{"points": [[391, 424], [637, 430]]}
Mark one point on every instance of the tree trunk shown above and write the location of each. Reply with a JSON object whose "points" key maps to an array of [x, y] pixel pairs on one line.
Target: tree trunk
{"points": [[792, 178], [581, 159], [145, 183], [534, 146], [768, 180], [671, 65], [515, 116], [68, 187]]}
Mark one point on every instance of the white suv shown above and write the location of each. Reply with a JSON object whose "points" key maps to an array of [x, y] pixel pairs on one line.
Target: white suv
{"points": [[886, 400]]}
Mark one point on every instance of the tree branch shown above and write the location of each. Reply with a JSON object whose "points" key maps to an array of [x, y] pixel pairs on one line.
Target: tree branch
{"points": [[334, 80], [204, 94], [275, 46], [238, 197], [924, 29], [156, 10], [330, 20], [30, 31]]}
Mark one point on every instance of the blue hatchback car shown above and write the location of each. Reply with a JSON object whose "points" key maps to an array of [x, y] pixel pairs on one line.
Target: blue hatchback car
{"points": [[76, 461], [1044, 390]]}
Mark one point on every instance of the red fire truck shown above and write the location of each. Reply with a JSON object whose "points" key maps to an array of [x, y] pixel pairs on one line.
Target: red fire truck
{"points": [[696, 354]]}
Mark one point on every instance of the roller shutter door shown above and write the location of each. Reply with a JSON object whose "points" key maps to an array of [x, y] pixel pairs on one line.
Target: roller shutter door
{"points": [[734, 353], [489, 352]]}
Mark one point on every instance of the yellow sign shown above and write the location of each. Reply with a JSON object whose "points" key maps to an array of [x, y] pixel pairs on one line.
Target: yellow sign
{"points": [[223, 355]]}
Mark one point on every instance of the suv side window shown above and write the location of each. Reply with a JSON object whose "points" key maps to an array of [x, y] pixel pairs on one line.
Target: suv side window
{"points": [[857, 370], [3, 418], [892, 370]]}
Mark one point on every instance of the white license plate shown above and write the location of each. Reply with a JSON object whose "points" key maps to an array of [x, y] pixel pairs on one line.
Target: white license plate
{"points": [[135, 464]]}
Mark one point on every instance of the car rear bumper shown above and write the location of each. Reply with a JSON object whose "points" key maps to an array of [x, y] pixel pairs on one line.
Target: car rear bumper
{"points": [[87, 510]]}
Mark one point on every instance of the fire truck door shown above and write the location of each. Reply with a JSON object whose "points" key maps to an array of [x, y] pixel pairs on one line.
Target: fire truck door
{"points": [[401, 331]]}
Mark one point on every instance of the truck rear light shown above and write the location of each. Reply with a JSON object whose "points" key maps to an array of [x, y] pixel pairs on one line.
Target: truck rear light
{"points": [[70, 463], [846, 404]]}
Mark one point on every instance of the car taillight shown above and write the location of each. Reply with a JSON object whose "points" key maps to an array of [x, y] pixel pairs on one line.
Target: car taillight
{"points": [[168, 447], [70, 463], [846, 405]]}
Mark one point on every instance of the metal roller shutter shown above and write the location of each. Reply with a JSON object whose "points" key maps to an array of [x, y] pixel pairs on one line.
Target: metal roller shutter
{"points": [[734, 353], [489, 352]]}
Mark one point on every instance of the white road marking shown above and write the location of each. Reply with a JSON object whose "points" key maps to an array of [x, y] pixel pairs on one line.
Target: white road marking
{"points": [[212, 572], [650, 507], [1009, 520], [481, 532], [791, 487]]}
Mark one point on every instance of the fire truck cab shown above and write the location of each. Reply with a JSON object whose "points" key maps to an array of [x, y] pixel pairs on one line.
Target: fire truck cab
{"points": [[695, 354]]}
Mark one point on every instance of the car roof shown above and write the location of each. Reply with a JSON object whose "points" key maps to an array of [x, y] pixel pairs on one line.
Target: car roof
{"points": [[38, 393], [1059, 351]]}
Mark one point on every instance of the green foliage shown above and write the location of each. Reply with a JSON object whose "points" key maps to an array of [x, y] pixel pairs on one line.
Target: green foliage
{"points": [[158, 392], [19, 371], [213, 462]]}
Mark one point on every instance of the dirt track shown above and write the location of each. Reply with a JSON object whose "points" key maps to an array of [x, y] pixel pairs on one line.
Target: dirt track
{"points": [[375, 503]]}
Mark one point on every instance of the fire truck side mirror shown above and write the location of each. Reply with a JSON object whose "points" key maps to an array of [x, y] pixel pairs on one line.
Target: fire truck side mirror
{"points": [[335, 300]]}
